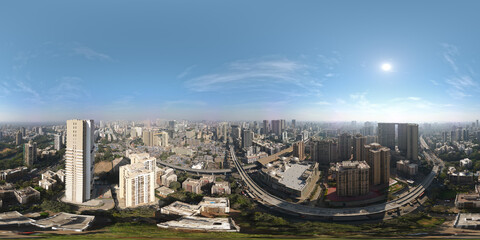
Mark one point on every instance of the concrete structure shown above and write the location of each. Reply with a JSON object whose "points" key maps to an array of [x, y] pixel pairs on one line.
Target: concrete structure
{"points": [[147, 138], [299, 150], [30, 153], [181, 209], [352, 178], [386, 135], [289, 177], [14, 219], [160, 139], [358, 144], [412, 142], [214, 205], [464, 177], [467, 220], [10, 174], [164, 191], [57, 141], [324, 151], [378, 158], [49, 180], [221, 188], [345, 146], [18, 138], [137, 184], [467, 200], [192, 185], [26, 195], [466, 163], [247, 138], [202, 224], [79, 158], [405, 167], [66, 222]]}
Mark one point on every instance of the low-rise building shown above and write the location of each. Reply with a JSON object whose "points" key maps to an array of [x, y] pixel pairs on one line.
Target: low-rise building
{"points": [[164, 191], [27, 195], [467, 200], [215, 205], [192, 185], [181, 208], [466, 163], [221, 188], [293, 178], [464, 177], [10, 174], [406, 167], [467, 220], [202, 224]]}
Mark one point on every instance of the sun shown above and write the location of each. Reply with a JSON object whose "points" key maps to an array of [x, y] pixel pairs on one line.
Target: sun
{"points": [[386, 67]]}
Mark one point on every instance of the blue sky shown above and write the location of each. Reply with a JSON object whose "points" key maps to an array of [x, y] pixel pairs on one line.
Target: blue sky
{"points": [[240, 60]]}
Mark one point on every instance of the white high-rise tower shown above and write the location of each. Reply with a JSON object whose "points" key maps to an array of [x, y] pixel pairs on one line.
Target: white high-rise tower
{"points": [[79, 159]]}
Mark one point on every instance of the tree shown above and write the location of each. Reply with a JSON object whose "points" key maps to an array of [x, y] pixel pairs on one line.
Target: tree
{"points": [[175, 185]]}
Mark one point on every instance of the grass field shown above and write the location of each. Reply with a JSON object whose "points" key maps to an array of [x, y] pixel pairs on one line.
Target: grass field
{"points": [[143, 231]]}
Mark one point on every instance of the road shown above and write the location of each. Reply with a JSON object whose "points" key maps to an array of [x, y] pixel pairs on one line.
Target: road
{"points": [[333, 214]]}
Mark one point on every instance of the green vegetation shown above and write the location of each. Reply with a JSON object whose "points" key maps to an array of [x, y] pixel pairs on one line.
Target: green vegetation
{"points": [[43, 141], [56, 206]]}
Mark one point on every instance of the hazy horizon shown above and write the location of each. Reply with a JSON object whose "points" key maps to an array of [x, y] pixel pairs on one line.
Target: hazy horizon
{"points": [[309, 60]]}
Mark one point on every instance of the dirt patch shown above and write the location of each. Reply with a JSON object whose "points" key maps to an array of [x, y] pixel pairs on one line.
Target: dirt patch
{"points": [[102, 167]]}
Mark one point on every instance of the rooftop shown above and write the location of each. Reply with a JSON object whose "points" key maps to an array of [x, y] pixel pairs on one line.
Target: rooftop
{"points": [[13, 218], [66, 221], [214, 202], [181, 208], [467, 220], [201, 223]]}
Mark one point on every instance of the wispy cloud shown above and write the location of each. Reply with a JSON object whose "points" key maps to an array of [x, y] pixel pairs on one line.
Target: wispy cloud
{"points": [[461, 84], [267, 73], [323, 103], [186, 71], [4, 89], [449, 54], [69, 89], [90, 53], [434, 82], [32, 94]]}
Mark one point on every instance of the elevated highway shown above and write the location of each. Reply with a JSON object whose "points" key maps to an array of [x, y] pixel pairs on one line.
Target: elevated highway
{"points": [[333, 214]]}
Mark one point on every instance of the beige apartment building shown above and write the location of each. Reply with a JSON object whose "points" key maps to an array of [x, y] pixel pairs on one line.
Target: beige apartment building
{"points": [[378, 158], [137, 184], [79, 158], [30, 153], [352, 178]]}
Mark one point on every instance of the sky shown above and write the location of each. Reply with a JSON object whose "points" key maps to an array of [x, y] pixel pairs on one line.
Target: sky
{"points": [[240, 60]]}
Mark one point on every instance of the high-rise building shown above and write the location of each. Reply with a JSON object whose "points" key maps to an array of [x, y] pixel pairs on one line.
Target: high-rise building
{"points": [[277, 127], [18, 138], [359, 142], [352, 178], [444, 137], [345, 146], [79, 158], [412, 142], [324, 151], [299, 150], [173, 125], [283, 125], [236, 132], [265, 127], [402, 138], [57, 141], [30, 153], [247, 138], [22, 129], [147, 138], [160, 139], [477, 124], [378, 158], [386, 135], [294, 123], [137, 184]]}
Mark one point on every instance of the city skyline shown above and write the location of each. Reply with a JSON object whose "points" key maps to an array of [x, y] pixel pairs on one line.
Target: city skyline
{"points": [[233, 62]]}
